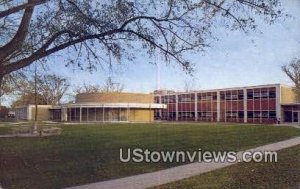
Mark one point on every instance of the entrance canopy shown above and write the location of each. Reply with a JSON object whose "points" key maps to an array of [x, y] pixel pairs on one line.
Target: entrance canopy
{"points": [[291, 112]]}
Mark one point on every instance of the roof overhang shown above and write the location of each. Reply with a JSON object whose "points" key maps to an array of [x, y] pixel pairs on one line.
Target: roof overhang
{"points": [[290, 104], [114, 105]]}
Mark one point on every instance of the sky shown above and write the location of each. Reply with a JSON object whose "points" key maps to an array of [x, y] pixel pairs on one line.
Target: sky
{"points": [[236, 59]]}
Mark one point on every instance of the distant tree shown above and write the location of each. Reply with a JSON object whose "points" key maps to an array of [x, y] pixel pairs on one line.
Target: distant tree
{"points": [[112, 86], [5, 88], [88, 88], [89, 31], [28, 98], [50, 89], [292, 70], [11, 84], [191, 85], [108, 86]]}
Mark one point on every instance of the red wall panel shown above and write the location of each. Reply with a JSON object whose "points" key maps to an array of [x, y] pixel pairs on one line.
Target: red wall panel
{"points": [[241, 105], [264, 104], [272, 104], [249, 104], [256, 104]]}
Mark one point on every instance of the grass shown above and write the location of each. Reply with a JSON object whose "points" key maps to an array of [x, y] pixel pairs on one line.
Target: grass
{"points": [[5, 130], [90, 153], [283, 174]]}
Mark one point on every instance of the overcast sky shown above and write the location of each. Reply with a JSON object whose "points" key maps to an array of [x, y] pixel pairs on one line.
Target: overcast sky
{"points": [[236, 59]]}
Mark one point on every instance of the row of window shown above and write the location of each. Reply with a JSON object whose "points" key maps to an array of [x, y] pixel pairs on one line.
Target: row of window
{"points": [[261, 94], [233, 114], [239, 95], [261, 114]]}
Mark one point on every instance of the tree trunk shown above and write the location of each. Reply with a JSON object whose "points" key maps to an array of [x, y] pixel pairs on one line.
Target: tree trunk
{"points": [[35, 125], [1, 85]]}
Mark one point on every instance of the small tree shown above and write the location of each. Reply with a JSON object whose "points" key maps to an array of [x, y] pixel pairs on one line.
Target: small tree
{"points": [[292, 70], [50, 89], [108, 86]]}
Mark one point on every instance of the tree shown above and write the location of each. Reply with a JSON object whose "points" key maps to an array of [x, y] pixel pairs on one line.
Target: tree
{"points": [[191, 84], [50, 89], [28, 98], [6, 88], [92, 30], [108, 86], [292, 70], [10, 83]]}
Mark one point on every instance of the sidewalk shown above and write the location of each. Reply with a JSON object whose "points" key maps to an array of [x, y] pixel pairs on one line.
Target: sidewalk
{"points": [[178, 173]]}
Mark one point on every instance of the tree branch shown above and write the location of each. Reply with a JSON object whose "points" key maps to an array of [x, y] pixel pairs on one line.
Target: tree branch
{"points": [[18, 40], [21, 7]]}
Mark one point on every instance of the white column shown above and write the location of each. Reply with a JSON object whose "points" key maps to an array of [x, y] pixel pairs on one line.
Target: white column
{"points": [[80, 114], [95, 115], [278, 102], [218, 107], [29, 112], [103, 113], [196, 107], [176, 97], [245, 106], [160, 110], [64, 114]]}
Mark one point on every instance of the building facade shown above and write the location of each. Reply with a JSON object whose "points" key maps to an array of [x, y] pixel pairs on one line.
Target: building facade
{"points": [[253, 104], [97, 107], [266, 104]]}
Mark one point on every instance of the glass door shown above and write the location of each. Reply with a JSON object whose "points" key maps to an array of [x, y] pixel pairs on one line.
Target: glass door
{"points": [[295, 117]]}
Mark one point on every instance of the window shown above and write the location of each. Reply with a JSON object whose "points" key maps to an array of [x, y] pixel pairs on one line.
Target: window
{"points": [[214, 96], [241, 95], [249, 94], [205, 114], [256, 95], [264, 94], [257, 114], [231, 114], [172, 115], [186, 114], [241, 114], [171, 99], [222, 96], [231, 97], [265, 114], [272, 94], [186, 98], [250, 114], [272, 114], [207, 98]]}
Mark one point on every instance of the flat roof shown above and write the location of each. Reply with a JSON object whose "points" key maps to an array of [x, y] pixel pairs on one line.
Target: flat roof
{"points": [[226, 89], [113, 105]]}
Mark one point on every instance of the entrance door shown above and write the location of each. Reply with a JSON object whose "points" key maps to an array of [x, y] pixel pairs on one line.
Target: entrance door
{"points": [[295, 117]]}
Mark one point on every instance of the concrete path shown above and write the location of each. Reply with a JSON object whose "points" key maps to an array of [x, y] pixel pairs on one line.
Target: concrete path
{"points": [[178, 173]]}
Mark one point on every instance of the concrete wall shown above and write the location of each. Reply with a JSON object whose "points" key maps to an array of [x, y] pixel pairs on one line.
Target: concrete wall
{"points": [[43, 113], [114, 98], [28, 112], [288, 95], [141, 115]]}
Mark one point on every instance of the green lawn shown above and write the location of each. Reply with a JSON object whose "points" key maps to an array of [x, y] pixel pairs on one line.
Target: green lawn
{"points": [[5, 130], [90, 153], [283, 174]]}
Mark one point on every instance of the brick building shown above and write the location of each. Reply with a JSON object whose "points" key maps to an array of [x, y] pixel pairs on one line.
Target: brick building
{"points": [[253, 104]]}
